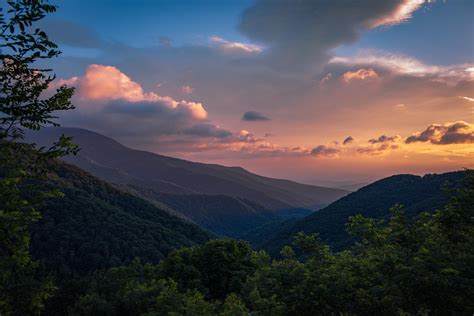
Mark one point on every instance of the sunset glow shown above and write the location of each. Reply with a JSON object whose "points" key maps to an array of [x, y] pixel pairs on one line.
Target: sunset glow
{"points": [[282, 91]]}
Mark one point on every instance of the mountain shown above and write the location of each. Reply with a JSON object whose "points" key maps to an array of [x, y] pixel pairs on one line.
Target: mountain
{"points": [[415, 193], [114, 162], [221, 214], [96, 225]]}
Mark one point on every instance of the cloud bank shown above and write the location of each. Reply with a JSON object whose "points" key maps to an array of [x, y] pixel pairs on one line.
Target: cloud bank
{"points": [[301, 34]]}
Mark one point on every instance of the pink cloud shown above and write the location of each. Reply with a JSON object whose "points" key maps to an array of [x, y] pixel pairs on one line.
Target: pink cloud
{"points": [[402, 13], [406, 65], [361, 74], [108, 83]]}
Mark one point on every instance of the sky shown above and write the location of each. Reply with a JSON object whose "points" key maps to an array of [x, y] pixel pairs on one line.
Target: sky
{"points": [[322, 92]]}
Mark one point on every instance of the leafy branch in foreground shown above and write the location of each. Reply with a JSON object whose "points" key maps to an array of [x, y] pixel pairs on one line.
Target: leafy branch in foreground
{"points": [[26, 103]]}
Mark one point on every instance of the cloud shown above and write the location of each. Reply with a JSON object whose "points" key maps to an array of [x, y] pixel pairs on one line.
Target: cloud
{"points": [[361, 74], [384, 139], [381, 145], [108, 83], [402, 13], [246, 137], [109, 101], [208, 130], [252, 116], [301, 34], [235, 47], [325, 151], [375, 147], [377, 150], [348, 140], [399, 106], [70, 33], [405, 65], [459, 132], [468, 99], [187, 89]]}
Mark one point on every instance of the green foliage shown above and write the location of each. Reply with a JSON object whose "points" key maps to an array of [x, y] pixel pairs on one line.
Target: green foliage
{"points": [[23, 105], [401, 267], [22, 85], [416, 194], [96, 226], [233, 306], [224, 215], [415, 267], [140, 289], [216, 268]]}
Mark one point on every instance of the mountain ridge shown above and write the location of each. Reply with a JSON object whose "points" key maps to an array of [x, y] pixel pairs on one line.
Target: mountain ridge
{"points": [[416, 194], [108, 159]]}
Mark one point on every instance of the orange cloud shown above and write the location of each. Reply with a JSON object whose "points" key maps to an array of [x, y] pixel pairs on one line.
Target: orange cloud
{"points": [[444, 134], [361, 74]]}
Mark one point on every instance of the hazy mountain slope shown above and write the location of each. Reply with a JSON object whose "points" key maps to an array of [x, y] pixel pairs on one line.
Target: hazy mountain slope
{"points": [[114, 162], [416, 193], [221, 214], [97, 225]]}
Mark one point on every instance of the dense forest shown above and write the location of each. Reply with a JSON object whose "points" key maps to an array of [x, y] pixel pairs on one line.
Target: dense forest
{"points": [[95, 225], [72, 244], [397, 266], [417, 194]]}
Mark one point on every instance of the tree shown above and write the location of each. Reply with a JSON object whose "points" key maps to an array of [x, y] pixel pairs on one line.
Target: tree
{"points": [[404, 266], [217, 268], [24, 105]]}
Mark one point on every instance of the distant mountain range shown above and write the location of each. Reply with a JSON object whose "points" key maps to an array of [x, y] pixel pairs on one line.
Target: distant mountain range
{"points": [[417, 194], [232, 202], [226, 200]]}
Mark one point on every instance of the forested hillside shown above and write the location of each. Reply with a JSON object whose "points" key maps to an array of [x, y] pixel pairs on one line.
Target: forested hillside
{"points": [[399, 266], [221, 214], [95, 225], [415, 193]]}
